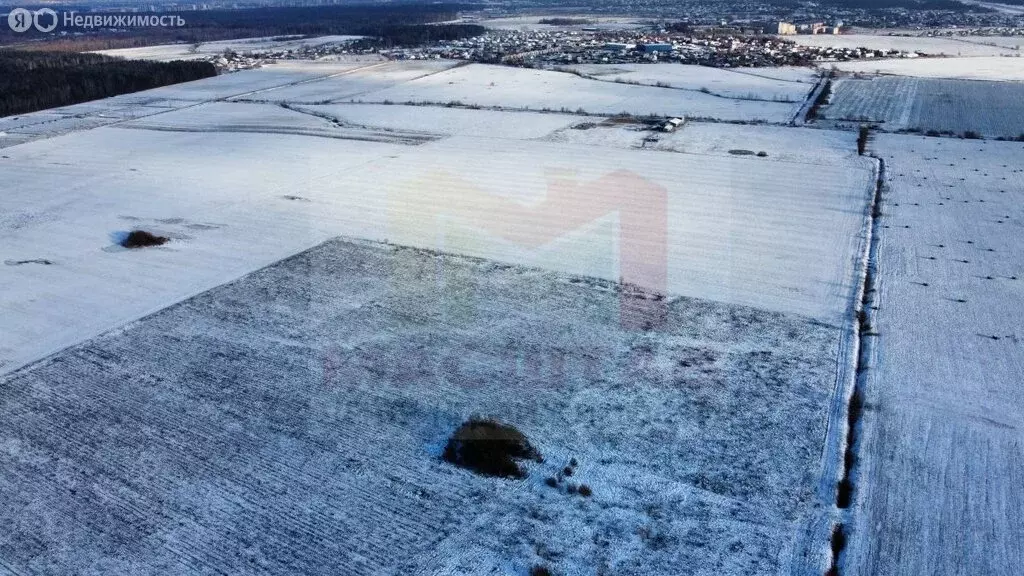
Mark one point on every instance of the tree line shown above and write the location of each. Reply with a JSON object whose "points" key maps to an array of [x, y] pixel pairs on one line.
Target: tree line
{"points": [[223, 24], [31, 81], [391, 36]]}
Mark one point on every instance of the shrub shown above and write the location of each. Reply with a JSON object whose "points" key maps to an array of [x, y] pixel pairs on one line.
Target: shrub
{"points": [[971, 135], [567, 471], [489, 448], [585, 491], [762, 154], [142, 239], [551, 481], [863, 133], [539, 570]]}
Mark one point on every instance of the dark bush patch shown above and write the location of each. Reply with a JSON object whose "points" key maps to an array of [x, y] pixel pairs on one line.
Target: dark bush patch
{"points": [[571, 488], [567, 471], [143, 239], [585, 491], [539, 570], [741, 152], [863, 135], [490, 448], [762, 154], [838, 542], [844, 493], [551, 481], [971, 135]]}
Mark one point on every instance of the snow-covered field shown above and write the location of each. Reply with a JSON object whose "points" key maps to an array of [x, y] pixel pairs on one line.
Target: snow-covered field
{"points": [[737, 229], [168, 52], [981, 68], [797, 145], [292, 422], [521, 88], [737, 83], [108, 111], [989, 108], [931, 46], [939, 490], [357, 83]]}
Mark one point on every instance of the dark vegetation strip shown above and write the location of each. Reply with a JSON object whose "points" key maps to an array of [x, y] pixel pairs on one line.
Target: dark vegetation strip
{"points": [[855, 408], [415, 35], [821, 100], [31, 81]]}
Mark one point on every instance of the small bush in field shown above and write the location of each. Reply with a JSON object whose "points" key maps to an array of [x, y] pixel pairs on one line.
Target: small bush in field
{"points": [[142, 239], [490, 448]]}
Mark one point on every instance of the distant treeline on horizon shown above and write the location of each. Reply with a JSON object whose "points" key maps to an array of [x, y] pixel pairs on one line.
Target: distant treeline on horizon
{"points": [[31, 81], [374, 20]]}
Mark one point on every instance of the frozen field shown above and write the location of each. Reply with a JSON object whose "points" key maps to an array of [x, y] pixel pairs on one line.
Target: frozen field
{"points": [[739, 83], [735, 229], [118, 109], [940, 484], [930, 46], [357, 83], [797, 145], [989, 108], [291, 423], [994, 68], [521, 88]]}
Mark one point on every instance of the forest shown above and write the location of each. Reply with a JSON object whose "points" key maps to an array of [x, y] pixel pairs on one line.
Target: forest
{"points": [[31, 81], [222, 24], [390, 36]]}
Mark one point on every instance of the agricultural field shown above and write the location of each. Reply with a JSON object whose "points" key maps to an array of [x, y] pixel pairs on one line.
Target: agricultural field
{"points": [[736, 229], [355, 256], [293, 422], [994, 68], [355, 83], [931, 46], [988, 108], [742, 84], [939, 484], [520, 88]]}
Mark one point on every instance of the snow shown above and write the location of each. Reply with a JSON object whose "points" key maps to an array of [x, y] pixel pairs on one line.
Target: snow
{"points": [[521, 88], [117, 109], [168, 52], [356, 82], [931, 46], [994, 68], [290, 423], [728, 83], [797, 145], [989, 108], [740, 230], [939, 492], [448, 121]]}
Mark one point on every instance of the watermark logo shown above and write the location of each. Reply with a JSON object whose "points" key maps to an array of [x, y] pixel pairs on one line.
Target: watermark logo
{"points": [[453, 213], [21, 20], [46, 20]]}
